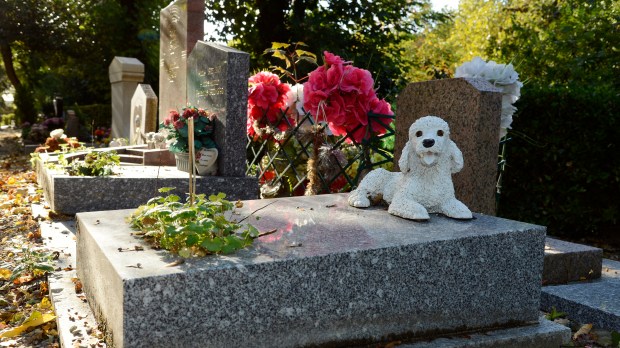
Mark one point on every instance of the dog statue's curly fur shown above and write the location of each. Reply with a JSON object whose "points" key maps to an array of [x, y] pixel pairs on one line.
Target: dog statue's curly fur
{"points": [[424, 184]]}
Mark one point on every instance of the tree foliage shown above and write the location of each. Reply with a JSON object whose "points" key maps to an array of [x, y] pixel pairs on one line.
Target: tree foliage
{"points": [[366, 32], [65, 47]]}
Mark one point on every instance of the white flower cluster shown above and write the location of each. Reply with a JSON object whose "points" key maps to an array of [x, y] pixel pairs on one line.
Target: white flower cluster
{"points": [[58, 134], [500, 75]]}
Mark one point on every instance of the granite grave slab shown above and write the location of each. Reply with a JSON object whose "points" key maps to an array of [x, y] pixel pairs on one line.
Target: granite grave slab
{"points": [[596, 302], [330, 274], [133, 185], [569, 262]]}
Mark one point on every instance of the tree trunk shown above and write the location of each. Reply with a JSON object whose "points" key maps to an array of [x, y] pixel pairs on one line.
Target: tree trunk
{"points": [[7, 59]]}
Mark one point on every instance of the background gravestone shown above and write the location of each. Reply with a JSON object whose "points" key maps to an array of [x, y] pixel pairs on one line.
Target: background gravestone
{"points": [[472, 108], [218, 82], [72, 124], [125, 75], [143, 113], [181, 25]]}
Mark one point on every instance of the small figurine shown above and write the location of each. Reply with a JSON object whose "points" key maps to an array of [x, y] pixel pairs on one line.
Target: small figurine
{"points": [[424, 184]]}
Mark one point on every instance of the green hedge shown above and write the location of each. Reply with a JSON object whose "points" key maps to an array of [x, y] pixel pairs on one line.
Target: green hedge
{"points": [[567, 176], [101, 114]]}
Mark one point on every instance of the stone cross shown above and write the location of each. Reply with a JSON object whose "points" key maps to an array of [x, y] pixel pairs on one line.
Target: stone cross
{"points": [[143, 114], [125, 75], [472, 108], [181, 25], [217, 80]]}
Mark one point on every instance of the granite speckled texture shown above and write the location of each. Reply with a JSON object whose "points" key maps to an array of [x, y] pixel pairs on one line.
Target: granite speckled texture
{"points": [[217, 80], [181, 24], [330, 274], [568, 262], [596, 302], [133, 186], [472, 108]]}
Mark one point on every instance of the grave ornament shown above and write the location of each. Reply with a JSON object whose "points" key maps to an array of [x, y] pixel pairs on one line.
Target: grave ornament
{"points": [[424, 184]]}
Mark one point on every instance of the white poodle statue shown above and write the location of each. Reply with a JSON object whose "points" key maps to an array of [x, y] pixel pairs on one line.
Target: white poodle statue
{"points": [[424, 184]]}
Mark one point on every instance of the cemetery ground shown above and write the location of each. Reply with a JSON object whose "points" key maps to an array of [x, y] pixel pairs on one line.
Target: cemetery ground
{"points": [[25, 307]]}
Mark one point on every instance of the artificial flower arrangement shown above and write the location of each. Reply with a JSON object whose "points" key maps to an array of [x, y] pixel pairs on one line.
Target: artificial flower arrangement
{"points": [[315, 127], [176, 128], [56, 141], [502, 76]]}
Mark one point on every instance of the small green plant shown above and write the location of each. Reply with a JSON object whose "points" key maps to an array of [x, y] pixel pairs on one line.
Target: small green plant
{"points": [[554, 314], [33, 263], [615, 339], [191, 230], [96, 163]]}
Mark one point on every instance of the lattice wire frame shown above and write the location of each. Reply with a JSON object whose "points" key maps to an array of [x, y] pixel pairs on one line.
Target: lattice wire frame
{"points": [[265, 155]]}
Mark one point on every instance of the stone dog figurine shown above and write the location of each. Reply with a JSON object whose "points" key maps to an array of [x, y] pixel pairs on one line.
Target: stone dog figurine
{"points": [[424, 184]]}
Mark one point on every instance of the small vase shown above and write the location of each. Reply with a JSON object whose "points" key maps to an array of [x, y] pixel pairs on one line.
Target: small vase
{"points": [[205, 164]]}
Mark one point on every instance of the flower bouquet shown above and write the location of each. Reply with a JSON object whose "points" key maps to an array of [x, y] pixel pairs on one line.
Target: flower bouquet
{"points": [[176, 128]]}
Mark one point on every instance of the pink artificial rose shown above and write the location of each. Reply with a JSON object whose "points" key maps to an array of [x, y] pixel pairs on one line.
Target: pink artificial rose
{"points": [[332, 59], [357, 80], [262, 95], [317, 80], [312, 100]]}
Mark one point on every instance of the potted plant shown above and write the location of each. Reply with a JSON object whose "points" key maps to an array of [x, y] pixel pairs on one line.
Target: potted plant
{"points": [[176, 127]]}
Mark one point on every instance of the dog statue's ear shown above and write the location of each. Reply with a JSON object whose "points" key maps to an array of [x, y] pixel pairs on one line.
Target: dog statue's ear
{"points": [[403, 161], [456, 156]]}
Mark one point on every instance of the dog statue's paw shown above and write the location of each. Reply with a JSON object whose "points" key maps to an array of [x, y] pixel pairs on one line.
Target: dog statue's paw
{"points": [[456, 210], [358, 199], [409, 210]]}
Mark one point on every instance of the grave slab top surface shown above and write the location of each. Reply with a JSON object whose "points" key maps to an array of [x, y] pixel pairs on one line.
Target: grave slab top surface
{"points": [[305, 227]]}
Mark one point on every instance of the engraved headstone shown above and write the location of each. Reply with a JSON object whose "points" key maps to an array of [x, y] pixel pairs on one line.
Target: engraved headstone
{"points": [[125, 75], [143, 114], [472, 108], [181, 25], [218, 82]]}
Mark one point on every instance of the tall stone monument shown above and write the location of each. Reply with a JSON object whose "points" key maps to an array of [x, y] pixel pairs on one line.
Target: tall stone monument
{"points": [[181, 25], [143, 114], [217, 80], [125, 75], [472, 108]]}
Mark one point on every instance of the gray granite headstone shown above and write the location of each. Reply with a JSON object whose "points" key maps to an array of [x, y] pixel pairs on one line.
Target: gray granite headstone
{"points": [[217, 80], [472, 108], [125, 75], [143, 114], [181, 25]]}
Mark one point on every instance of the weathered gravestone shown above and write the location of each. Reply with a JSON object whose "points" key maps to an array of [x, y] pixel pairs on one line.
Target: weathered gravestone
{"points": [[181, 25], [72, 124], [143, 114], [217, 81], [472, 108], [125, 75]]}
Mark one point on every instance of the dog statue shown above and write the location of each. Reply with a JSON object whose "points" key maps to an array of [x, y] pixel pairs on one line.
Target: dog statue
{"points": [[424, 184]]}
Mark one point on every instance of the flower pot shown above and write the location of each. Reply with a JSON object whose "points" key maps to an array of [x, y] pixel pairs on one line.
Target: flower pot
{"points": [[205, 163]]}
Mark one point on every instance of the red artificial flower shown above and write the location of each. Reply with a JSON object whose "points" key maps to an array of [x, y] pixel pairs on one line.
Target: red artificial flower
{"points": [[266, 102]]}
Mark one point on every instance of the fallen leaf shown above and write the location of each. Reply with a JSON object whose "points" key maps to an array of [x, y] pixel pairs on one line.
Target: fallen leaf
{"points": [[239, 204], [35, 319], [5, 273], [583, 330], [45, 303]]}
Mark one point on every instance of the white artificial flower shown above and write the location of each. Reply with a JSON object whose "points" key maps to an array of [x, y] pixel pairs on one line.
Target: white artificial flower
{"points": [[295, 97], [57, 133], [500, 75], [472, 68]]}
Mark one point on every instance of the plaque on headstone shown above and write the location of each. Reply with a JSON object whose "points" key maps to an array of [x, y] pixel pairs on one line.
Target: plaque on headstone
{"points": [[143, 114], [472, 108], [218, 82], [181, 25]]}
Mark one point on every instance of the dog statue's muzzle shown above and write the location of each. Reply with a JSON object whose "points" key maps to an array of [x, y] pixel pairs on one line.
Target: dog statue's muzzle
{"points": [[428, 143]]}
